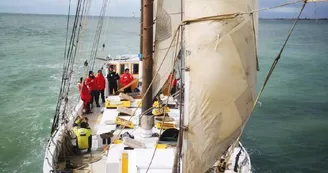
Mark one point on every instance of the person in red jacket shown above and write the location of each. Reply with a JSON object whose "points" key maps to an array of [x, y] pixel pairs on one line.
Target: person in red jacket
{"points": [[80, 85], [173, 81], [92, 86], [85, 97], [101, 85], [125, 79]]}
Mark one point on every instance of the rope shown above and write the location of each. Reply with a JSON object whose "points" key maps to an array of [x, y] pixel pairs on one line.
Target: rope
{"points": [[65, 84], [170, 85], [151, 83], [275, 62], [232, 16], [97, 35]]}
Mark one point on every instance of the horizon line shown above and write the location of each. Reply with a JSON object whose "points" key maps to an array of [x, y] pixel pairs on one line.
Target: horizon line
{"points": [[54, 14]]}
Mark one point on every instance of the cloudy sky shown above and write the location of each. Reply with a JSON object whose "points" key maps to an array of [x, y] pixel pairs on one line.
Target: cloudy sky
{"points": [[128, 7]]}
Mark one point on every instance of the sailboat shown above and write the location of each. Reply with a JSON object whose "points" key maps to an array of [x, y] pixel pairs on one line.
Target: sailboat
{"points": [[211, 47]]}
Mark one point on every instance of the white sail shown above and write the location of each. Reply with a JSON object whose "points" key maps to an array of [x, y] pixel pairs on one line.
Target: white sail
{"points": [[168, 18], [221, 84]]}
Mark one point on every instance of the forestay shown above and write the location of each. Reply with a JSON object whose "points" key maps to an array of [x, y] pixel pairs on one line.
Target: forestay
{"points": [[168, 18], [221, 84]]}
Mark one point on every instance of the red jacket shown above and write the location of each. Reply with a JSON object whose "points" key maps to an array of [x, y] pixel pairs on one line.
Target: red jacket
{"points": [[91, 83], [101, 83], [173, 82], [79, 86], [85, 94], [125, 79]]}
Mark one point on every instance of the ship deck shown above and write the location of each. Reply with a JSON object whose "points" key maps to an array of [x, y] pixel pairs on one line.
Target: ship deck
{"points": [[119, 159], [100, 121]]}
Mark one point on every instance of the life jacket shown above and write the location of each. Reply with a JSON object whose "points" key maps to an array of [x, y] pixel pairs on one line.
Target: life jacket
{"points": [[82, 135], [101, 83], [85, 94], [126, 78]]}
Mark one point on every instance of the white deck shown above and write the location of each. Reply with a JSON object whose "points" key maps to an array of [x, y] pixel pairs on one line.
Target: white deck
{"points": [[138, 159]]}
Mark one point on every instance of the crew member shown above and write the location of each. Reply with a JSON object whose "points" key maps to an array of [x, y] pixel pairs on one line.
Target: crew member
{"points": [[173, 82], [83, 134], [112, 78], [92, 86], [101, 85], [79, 85], [85, 97], [125, 79]]}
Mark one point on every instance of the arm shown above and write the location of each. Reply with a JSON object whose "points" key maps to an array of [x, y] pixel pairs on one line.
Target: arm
{"points": [[117, 76]]}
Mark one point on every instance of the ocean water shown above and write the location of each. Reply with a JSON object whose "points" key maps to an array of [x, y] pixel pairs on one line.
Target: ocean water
{"points": [[287, 134]]}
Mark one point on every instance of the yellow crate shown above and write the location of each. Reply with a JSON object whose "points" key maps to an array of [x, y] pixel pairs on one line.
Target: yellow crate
{"points": [[109, 104], [166, 125], [124, 122], [161, 146]]}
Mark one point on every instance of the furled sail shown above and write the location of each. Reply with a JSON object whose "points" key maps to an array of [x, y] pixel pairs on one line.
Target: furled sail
{"points": [[220, 86], [168, 18]]}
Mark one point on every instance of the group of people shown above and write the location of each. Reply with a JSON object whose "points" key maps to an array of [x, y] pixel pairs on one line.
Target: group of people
{"points": [[125, 79], [91, 88]]}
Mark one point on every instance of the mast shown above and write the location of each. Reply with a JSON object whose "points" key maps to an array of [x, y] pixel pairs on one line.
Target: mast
{"points": [[147, 122], [141, 27]]}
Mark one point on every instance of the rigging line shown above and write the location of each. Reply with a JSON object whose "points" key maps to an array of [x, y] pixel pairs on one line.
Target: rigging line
{"points": [[147, 90], [78, 43], [97, 35], [279, 55], [275, 62], [167, 101], [67, 26], [71, 59], [64, 76], [84, 25]]}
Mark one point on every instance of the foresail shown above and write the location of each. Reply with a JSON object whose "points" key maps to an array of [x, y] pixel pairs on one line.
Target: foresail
{"points": [[168, 18], [221, 83]]}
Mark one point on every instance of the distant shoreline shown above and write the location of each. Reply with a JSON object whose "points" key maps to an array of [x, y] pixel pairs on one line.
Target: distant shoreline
{"points": [[292, 19], [139, 16]]}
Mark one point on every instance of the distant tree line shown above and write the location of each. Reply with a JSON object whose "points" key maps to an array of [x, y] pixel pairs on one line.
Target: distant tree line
{"points": [[293, 18]]}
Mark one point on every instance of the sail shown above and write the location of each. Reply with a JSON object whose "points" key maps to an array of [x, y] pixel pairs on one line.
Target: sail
{"points": [[168, 18], [220, 86]]}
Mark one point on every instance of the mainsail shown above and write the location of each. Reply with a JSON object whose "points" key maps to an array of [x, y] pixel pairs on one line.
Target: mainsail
{"points": [[220, 85], [168, 18]]}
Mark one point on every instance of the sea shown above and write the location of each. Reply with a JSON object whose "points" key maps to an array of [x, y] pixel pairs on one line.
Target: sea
{"points": [[287, 133]]}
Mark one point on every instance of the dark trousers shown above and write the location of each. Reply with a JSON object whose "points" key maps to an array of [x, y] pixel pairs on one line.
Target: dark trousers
{"points": [[102, 95], [86, 106], [95, 97], [112, 86], [128, 90], [173, 90]]}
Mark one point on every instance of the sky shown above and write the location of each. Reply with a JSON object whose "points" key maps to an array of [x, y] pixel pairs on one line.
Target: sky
{"points": [[128, 7]]}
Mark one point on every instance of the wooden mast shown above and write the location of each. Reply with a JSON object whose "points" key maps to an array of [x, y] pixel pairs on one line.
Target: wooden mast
{"points": [[147, 52], [141, 27]]}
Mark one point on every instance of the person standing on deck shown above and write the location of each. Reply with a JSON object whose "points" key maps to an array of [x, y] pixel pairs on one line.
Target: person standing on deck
{"points": [[92, 86], [83, 134], [173, 81], [85, 96], [125, 80], [80, 85], [101, 85], [112, 78]]}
